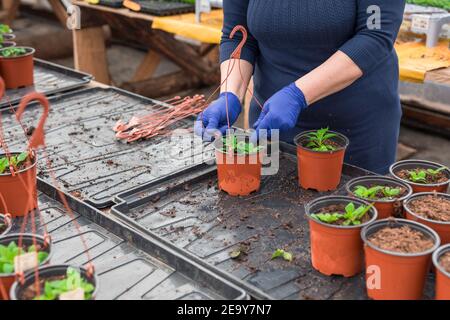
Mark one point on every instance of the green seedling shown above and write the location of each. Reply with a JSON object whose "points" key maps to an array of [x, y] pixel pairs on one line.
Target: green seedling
{"points": [[281, 253], [371, 193], [318, 140], [232, 145], [5, 29], [14, 161], [420, 176], [13, 52], [8, 253], [53, 289], [351, 217]]}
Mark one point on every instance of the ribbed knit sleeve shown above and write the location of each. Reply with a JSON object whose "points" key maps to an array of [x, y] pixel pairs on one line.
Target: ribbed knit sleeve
{"points": [[371, 46], [235, 13]]}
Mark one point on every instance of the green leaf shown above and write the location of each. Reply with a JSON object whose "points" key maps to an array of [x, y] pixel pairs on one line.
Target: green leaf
{"points": [[277, 253], [8, 268], [287, 256], [22, 157], [281, 253], [235, 254]]}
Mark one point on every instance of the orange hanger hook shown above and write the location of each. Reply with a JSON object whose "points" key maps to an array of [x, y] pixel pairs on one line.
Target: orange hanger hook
{"points": [[2, 88], [37, 139], [237, 53]]}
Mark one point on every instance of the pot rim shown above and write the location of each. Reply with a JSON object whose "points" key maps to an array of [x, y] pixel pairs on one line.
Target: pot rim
{"points": [[15, 286], [423, 194], [341, 198], [30, 51], [387, 179], [304, 133], [23, 170], [437, 255], [39, 238], [13, 44], [403, 162], [418, 226], [217, 148], [8, 223], [9, 36]]}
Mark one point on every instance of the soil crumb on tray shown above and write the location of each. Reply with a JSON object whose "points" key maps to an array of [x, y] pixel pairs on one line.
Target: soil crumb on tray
{"points": [[430, 179], [431, 207], [444, 261], [402, 240]]}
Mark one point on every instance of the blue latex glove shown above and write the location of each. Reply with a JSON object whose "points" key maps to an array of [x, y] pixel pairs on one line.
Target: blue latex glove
{"points": [[281, 111], [214, 118]]}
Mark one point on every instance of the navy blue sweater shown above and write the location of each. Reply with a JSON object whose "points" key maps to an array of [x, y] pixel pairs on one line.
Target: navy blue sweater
{"points": [[289, 38]]}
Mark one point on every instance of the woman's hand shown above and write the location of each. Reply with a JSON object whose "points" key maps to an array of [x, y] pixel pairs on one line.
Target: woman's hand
{"points": [[214, 119], [281, 111]]}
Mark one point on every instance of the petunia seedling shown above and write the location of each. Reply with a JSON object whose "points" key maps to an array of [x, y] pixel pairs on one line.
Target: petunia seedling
{"points": [[12, 52], [280, 253], [420, 176], [231, 144], [8, 254], [319, 140], [73, 281], [14, 161], [352, 216], [373, 192]]}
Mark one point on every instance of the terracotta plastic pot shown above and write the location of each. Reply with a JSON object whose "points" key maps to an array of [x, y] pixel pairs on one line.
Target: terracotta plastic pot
{"points": [[18, 71], [46, 272], [414, 164], [442, 276], [385, 208], [19, 191], [5, 220], [399, 276], [238, 175], [336, 250], [442, 228], [6, 280], [320, 170]]}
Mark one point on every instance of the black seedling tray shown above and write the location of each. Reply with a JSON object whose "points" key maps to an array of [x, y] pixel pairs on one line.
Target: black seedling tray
{"points": [[136, 268], [164, 8], [111, 3], [88, 160], [193, 215], [49, 78]]}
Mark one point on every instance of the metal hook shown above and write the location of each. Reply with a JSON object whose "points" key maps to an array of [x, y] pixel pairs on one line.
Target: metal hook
{"points": [[237, 53], [37, 139]]}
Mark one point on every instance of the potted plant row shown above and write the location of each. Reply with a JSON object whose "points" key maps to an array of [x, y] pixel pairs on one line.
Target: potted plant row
{"points": [[20, 252], [6, 36]]}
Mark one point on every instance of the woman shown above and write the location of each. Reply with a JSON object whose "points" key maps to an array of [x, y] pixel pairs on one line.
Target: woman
{"points": [[316, 64]]}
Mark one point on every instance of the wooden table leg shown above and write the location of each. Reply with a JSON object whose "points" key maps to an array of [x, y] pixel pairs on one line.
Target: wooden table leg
{"points": [[60, 11], [90, 53], [9, 12], [147, 67]]}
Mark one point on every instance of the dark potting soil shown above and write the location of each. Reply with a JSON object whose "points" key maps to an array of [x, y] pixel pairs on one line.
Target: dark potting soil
{"points": [[431, 207], [380, 195], [444, 261], [403, 239], [340, 208], [430, 179]]}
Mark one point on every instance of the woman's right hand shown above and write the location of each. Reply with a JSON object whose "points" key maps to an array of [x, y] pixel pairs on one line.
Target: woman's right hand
{"points": [[214, 119]]}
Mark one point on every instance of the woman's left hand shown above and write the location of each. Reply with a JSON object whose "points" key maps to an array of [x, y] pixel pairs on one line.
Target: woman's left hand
{"points": [[281, 111]]}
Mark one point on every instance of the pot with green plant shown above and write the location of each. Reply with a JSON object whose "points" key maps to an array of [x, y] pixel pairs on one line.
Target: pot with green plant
{"points": [[335, 224], [18, 183], [398, 256], [421, 175], [320, 157], [238, 164], [58, 282], [20, 253], [441, 261], [17, 66], [431, 209], [5, 224], [6, 37], [387, 194]]}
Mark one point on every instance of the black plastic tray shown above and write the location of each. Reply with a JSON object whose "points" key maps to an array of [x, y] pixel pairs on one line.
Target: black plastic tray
{"points": [[49, 78], [135, 268], [88, 161], [164, 8], [208, 225]]}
